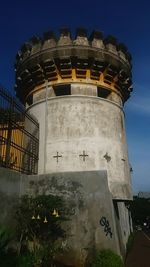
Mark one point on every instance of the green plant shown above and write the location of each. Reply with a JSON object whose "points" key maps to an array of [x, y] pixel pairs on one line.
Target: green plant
{"points": [[107, 258], [38, 228], [5, 237], [25, 260], [140, 208], [7, 254]]}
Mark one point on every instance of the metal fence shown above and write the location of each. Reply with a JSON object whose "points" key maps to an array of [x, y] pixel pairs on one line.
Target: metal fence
{"points": [[19, 136]]}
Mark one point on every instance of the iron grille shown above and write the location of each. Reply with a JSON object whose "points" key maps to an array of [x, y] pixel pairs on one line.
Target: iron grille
{"points": [[19, 136]]}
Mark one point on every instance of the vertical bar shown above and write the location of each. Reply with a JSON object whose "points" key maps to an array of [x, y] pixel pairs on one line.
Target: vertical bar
{"points": [[8, 143]]}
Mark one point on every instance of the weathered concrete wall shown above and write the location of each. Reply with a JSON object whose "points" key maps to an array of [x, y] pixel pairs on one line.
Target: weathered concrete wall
{"points": [[10, 182], [124, 222], [72, 125], [93, 223], [90, 194]]}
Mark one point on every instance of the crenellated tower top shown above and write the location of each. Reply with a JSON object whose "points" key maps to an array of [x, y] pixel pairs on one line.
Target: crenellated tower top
{"points": [[62, 61]]}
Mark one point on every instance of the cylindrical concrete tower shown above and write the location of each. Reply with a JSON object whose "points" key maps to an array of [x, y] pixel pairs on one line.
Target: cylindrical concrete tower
{"points": [[76, 89]]}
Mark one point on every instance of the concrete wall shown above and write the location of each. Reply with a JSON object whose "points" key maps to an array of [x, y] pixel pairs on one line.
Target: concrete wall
{"points": [[90, 194], [93, 223], [70, 125], [10, 188]]}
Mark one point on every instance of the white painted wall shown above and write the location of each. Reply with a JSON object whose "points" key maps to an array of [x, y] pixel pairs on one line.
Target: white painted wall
{"points": [[72, 124]]}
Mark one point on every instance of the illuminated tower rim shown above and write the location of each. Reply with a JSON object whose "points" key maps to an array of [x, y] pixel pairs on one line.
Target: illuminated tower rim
{"points": [[92, 60]]}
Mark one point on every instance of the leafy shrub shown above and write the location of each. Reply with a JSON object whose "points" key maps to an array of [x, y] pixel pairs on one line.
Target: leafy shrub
{"points": [[140, 211], [38, 232], [25, 260], [7, 254], [39, 229], [107, 258]]}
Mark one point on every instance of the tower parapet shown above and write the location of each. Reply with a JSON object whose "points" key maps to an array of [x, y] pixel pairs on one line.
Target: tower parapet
{"points": [[94, 60]]}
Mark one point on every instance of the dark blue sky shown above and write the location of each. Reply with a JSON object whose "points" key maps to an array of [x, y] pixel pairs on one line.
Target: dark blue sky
{"points": [[128, 20]]}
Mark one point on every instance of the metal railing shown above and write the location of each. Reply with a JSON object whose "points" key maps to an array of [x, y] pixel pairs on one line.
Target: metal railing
{"points": [[19, 136]]}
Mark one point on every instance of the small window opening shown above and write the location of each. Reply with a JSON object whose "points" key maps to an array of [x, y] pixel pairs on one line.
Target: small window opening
{"points": [[116, 208], [63, 89], [103, 92], [30, 100], [95, 75]]}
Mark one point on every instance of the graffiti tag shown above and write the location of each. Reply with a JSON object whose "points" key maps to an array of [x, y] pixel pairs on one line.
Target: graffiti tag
{"points": [[105, 223]]}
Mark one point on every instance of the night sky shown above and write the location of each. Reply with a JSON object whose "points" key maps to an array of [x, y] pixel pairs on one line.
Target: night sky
{"points": [[128, 21]]}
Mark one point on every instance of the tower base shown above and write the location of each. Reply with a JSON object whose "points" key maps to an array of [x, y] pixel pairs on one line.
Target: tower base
{"points": [[96, 222]]}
